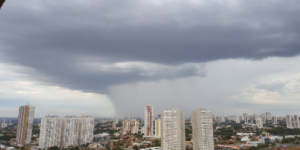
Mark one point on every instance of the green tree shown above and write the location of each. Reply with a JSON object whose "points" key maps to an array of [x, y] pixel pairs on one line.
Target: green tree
{"points": [[74, 148], [135, 147], [53, 148]]}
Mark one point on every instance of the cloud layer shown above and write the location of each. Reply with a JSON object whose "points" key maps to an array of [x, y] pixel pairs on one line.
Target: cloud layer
{"points": [[94, 46]]}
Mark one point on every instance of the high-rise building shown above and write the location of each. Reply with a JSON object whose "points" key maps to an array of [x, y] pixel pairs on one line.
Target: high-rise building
{"points": [[274, 120], [134, 127], [25, 121], [65, 132], [246, 118], [3, 124], [237, 119], [148, 121], [202, 126], [289, 123], [268, 116], [295, 121], [259, 123], [130, 127], [172, 130], [70, 131], [114, 125], [126, 127], [86, 129], [50, 131], [158, 127]]}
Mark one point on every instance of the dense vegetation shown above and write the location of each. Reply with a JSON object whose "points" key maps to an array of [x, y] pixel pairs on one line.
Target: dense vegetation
{"points": [[6, 137], [259, 147], [284, 131]]}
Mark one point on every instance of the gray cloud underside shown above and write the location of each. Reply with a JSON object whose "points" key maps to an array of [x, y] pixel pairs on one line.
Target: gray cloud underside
{"points": [[55, 37]]}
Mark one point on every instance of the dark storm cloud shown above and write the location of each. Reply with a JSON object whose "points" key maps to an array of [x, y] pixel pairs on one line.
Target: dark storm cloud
{"points": [[55, 37]]}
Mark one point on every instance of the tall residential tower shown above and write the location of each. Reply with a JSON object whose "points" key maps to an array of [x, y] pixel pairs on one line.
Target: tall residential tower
{"points": [[25, 121], [202, 125], [172, 130], [148, 121]]}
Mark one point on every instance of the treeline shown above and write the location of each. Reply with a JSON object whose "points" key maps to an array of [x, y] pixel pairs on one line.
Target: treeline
{"points": [[261, 146], [283, 131], [6, 137]]}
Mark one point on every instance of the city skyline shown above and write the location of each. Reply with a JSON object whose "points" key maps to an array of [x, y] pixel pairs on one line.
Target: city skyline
{"points": [[228, 56]]}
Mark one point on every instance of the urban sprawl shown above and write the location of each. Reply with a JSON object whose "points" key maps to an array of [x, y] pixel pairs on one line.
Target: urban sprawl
{"points": [[170, 130]]}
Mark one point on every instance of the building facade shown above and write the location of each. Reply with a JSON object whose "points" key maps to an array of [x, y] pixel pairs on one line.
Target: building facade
{"points": [[259, 122], [202, 127], [148, 121], [289, 123], [65, 132], [86, 129], [50, 131], [25, 121], [172, 130], [158, 127]]}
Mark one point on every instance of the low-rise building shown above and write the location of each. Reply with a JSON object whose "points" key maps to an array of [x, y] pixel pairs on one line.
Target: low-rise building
{"points": [[103, 137]]}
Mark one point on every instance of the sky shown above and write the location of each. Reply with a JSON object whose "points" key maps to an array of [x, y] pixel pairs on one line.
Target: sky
{"points": [[112, 58]]}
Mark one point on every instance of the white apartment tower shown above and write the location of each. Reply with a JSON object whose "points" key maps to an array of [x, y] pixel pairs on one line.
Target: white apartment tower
{"points": [[126, 127], [50, 131], [289, 123], [25, 121], [172, 129], [259, 122], [86, 130], [296, 124], [148, 121], [274, 119], [130, 126], [246, 118], [134, 127], [70, 130], [237, 120], [202, 126], [65, 132]]}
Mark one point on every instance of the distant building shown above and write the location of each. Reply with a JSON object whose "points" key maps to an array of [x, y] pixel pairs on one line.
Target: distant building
{"points": [[148, 121], [202, 127], [114, 125], [237, 119], [3, 124], [130, 127], [246, 118], [289, 123], [172, 130], [25, 121], [259, 123], [295, 122], [274, 120], [103, 137], [292, 122]]}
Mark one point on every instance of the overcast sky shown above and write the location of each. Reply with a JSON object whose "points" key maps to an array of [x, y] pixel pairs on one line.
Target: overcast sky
{"points": [[110, 58]]}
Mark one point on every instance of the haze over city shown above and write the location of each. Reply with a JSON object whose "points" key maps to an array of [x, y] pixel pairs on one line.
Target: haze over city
{"points": [[112, 58]]}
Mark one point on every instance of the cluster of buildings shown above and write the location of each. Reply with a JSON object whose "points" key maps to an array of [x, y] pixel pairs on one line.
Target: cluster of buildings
{"points": [[252, 120], [54, 131], [291, 121], [4, 124], [170, 127], [130, 127]]}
